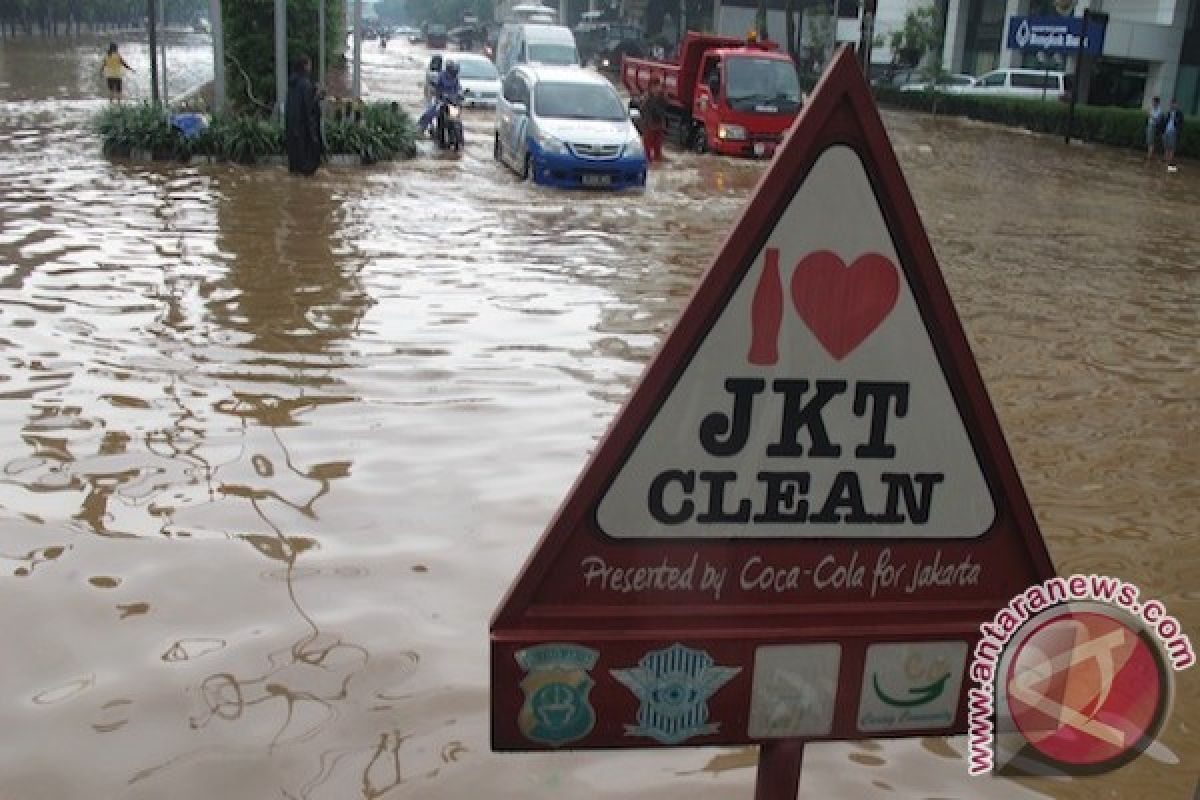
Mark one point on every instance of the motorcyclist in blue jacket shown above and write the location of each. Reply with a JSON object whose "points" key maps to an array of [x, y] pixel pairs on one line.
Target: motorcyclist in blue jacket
{"points": [[447, 85]]}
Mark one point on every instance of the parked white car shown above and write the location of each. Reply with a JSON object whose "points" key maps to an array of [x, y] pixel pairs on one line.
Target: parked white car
{"points": [[476, 73], [951, 84], [567, 127], [1015, 82]]}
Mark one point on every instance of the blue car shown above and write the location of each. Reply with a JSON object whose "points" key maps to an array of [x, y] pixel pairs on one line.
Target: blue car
{"points": [[567, 127]]}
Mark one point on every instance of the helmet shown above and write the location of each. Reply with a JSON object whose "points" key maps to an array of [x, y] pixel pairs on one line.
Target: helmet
{"points": [[452, 69]]}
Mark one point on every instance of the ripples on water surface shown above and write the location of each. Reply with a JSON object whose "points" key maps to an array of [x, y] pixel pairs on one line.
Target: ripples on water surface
{"points": [[273, 448]]}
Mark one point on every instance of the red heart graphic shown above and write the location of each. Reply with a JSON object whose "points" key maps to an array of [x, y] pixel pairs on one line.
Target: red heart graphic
{"points": [[843, 305]]}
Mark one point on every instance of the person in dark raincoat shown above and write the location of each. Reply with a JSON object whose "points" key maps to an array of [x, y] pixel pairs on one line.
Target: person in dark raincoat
{"points": [[303, 120]]}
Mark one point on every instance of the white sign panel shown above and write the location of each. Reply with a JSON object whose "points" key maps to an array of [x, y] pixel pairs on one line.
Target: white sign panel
{"points": [[815, 406], [911, 686], [793, 690]]}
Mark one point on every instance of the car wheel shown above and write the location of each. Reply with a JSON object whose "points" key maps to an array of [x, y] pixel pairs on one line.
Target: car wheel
{"points": [[700, 139], [527, 170], [496, 148]]}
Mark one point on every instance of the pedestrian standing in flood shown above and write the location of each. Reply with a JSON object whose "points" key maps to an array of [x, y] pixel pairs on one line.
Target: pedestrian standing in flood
{"points": [[303, 120], [653, 108], [1153, 126], [113, 70], [1172, 128]]}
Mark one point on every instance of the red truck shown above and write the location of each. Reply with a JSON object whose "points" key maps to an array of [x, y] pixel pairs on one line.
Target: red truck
{"points": [[724, 94]]}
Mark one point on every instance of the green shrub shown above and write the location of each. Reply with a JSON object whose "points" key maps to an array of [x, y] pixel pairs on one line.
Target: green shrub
{"points": [[383, 135], [243, 140], [1119, 127], [124, 129]]}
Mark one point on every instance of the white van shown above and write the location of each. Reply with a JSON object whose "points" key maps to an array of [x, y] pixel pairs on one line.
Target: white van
{"points": [[1016, 82], [549, 45]]}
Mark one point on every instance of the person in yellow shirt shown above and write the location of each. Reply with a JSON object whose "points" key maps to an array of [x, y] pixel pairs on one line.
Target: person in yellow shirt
{"points": [[113, 71]]}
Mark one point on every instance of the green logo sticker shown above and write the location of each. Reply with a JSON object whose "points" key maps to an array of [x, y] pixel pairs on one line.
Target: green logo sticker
{"points": [[918, 695], [911, 686]]}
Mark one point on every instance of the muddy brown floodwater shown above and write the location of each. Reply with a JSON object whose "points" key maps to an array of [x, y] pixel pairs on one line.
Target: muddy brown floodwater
{"points": [[271, 449]]}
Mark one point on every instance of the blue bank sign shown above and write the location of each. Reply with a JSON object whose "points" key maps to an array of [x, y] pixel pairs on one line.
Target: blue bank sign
{"points": [[1054, 33]]}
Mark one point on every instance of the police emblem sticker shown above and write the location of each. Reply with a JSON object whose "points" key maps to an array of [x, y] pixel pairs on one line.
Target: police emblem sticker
{"points": [[556, 710], [673, 686]]}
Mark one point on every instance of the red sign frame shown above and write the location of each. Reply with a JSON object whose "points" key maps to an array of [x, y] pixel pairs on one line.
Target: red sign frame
{"points": [[608, 641]]}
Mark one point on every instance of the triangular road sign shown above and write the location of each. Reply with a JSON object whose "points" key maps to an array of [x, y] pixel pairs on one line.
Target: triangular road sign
{"points": [[796, 524]]}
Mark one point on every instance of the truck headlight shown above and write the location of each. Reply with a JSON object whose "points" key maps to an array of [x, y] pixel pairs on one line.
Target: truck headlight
{"points": [[549, 144], [734, 132]]}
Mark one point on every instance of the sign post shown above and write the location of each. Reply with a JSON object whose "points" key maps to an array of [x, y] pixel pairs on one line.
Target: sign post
{"points": [[796, 524], [778, 776]]}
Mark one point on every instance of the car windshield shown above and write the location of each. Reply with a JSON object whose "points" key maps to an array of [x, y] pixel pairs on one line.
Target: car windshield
{"points": [[577, 101], [552, 53], [477, 70], [753, 82]]}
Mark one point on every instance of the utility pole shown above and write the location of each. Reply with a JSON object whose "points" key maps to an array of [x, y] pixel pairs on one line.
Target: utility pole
{"points": [[321, 45], [218, 37], [1101, 20], [152, 32], [358, 21], [280, 56], [163, 47], [868, 36]]}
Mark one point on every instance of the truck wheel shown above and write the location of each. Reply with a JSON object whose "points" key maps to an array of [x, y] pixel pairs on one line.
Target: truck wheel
{"points": [[496, 148], [700, 139]]}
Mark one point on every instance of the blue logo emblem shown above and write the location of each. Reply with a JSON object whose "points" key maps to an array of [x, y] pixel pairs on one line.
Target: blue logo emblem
{"points": [[674, 685], [556, 709]]}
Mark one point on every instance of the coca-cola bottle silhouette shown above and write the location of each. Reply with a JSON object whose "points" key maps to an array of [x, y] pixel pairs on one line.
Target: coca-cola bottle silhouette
{"points": [[766, 313]]}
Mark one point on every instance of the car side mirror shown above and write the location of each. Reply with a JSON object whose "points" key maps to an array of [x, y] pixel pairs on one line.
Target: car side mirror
{"points": [[635, 114], [520, 109]]}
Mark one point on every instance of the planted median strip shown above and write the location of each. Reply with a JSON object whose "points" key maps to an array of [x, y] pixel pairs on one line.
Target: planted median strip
{"points": [[383, 134], [1119, 127]]}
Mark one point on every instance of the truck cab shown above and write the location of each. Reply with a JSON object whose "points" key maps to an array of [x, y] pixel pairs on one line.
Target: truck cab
{"points": [[744, 101], [727, 95]]}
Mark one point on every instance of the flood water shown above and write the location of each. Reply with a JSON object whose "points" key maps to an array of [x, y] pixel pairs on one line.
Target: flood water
{"points": [[271, 449]]}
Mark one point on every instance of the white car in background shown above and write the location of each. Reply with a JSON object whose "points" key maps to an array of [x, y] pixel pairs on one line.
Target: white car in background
{"points": [[476, 73], [1017, 82], [954, 83]]}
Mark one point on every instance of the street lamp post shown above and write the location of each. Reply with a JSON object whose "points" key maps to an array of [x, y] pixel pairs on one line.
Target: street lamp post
{"points": [[218, 37]]}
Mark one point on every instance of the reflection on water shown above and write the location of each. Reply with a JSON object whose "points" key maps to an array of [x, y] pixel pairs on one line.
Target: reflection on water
{"points": [[274, 447]]}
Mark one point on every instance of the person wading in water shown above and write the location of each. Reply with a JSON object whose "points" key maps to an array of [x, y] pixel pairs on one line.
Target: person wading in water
{"points": [[113, 70], [303, 120]]}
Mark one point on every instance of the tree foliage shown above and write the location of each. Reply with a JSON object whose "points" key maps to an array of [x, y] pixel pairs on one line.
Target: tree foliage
{"points": [[921, 32], [250, 44], [60, 16]]}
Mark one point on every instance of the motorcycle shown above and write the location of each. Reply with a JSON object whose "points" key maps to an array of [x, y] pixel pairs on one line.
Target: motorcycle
{"points": [[447, 123]]}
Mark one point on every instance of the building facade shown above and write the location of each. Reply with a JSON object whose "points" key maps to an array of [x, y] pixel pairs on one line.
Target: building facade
{"points": [[1150, 48]]}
